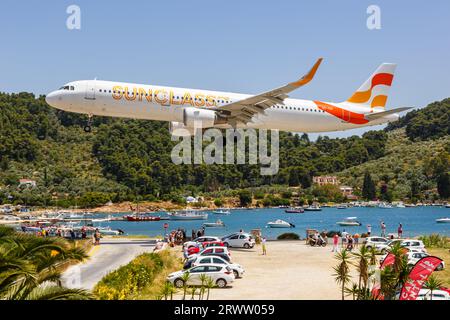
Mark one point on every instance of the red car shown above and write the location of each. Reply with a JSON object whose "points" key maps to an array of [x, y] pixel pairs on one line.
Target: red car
{"points": [[212, 244]]}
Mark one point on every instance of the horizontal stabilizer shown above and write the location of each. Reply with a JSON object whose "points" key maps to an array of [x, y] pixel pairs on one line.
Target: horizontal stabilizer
{"points": [[377, 115]]}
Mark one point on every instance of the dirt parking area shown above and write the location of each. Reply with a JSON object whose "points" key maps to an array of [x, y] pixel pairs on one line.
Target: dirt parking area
{"points": [[291, 270]]}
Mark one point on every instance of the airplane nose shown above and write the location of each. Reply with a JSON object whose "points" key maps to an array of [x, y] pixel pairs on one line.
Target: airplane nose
{"points": [[52, 99]]}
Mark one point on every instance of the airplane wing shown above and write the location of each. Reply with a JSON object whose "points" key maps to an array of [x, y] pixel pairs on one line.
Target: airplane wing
{"points": [[377, 115], [243, 110]]}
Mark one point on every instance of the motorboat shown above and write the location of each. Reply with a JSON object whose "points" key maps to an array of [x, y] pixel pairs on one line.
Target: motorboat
{"points": [[341, 206], [349, 222], [443, 220], [109, 232], [294, 210], [385, 206], [400, 205], [280, 224], [218, 224], [222, 211], [313, 208], [187, 215]]}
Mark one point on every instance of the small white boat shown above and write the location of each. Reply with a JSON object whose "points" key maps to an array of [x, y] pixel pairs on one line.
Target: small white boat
{"points": [[313, 208], [385, 206], [349, 222], [108, 231], [400, 205], [342, 206], [218, 224], [280, 224], [187, 215], [443, 220], [222, 211]]}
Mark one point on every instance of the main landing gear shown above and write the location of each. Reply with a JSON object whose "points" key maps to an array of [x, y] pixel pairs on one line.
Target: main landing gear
{"points": [[88, 126]]}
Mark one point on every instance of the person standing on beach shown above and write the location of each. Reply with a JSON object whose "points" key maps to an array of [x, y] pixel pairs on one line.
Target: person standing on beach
{"points": [[369, 230], [335, 242], [383, 229], [400, 231], [344, 238], [356, 239], [264, 249]]}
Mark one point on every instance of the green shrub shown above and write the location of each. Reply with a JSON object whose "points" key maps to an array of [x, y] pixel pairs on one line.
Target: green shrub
{"points": [[435, 240], [288, 236], [218, 202]]}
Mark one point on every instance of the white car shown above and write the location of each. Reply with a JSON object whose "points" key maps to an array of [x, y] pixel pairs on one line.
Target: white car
{"points": [[201, 239], [406, 243], [238, 270], [221, 275], [413, 257], [425, 294], [372, 242], [239, 240]]}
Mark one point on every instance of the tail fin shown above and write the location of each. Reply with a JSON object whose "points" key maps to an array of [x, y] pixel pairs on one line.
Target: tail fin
{"points": [[374, 92]]}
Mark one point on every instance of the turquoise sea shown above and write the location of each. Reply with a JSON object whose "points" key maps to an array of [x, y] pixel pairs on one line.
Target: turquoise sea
{"points": [[416, 221]]}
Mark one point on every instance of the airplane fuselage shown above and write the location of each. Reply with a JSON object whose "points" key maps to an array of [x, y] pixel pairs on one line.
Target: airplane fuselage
{"points": [[139, 101]]}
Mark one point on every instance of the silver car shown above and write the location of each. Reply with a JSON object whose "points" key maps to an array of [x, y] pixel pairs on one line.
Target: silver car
{"points": [[238, 270]]}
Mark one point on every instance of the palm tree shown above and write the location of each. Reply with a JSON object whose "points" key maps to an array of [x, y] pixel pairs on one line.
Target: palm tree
{"points": [[203, 279], [342, 270], [30, 267], [353, 291], [432, 284], [168, 290], [209, 285], [193, 290], [362, 266], [185, 277]]}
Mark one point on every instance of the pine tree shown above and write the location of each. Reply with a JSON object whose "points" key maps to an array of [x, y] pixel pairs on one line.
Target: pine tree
{"points": [[368, 189]]}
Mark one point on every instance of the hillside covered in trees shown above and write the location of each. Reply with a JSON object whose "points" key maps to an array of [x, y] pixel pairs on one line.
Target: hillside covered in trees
{"points": [[123, 159]]}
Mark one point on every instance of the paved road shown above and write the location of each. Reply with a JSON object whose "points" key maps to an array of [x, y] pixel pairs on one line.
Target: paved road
{"points": [[108, 256]]}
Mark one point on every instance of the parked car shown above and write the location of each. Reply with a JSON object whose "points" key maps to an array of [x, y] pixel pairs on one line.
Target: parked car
{"points": [[238, 270], [406, 243], [201, 239], [222, 275], [413, 257], [214, 251], [425, 294], [241, 240], [372, 242], [202, 245]]}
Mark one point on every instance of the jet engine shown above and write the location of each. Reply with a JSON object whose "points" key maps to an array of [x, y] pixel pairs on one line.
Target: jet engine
{"points": [[193, 117], [178, 129]]}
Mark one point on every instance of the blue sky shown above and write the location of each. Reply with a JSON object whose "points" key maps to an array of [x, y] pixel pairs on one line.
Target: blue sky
{"points": [[238, 46]]}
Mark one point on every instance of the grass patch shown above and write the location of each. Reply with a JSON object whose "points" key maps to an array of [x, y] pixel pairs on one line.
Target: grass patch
{"points": [[444, 254], [141, 279]]}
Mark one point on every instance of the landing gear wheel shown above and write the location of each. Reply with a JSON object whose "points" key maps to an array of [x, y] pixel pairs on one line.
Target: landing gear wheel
{"points": [[88, 126]]}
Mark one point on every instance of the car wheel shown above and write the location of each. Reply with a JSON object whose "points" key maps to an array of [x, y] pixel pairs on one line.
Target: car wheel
{"points": [[221, 283], [440, 267], [383, 251], [226, 244], [236, 274], [178, 283], [246, 246]]}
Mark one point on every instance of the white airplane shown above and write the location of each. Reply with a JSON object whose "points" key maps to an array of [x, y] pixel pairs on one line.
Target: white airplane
{"points": [[191, 108]]}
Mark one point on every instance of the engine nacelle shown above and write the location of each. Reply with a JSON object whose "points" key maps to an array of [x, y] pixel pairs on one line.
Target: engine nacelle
{"points": [[199, 117], [178, 129]]}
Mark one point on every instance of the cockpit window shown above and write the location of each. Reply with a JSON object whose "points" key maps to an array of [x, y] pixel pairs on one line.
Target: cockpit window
{"points": [[67, 88]]}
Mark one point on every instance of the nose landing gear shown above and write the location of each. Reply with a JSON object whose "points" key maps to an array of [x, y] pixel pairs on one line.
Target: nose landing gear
{"points": [[88, 126]]}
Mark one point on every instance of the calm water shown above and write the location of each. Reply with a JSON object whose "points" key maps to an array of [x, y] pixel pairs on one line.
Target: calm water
{"points": [[416, 221]]}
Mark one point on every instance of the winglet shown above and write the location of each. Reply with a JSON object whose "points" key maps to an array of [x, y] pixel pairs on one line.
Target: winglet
{"points": [[309, 76]]}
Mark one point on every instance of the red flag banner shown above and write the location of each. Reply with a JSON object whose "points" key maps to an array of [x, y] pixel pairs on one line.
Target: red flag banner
{"points": [[387, 261], [417, 277]]}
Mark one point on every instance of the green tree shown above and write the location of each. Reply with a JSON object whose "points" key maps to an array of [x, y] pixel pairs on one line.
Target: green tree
{"points": [[368, 188], [245, 198]]}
